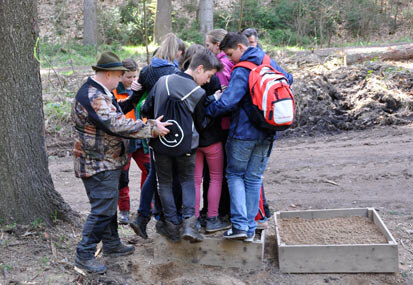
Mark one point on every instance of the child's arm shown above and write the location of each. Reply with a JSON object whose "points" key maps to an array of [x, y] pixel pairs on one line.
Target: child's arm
{"points": [[237, 88]]}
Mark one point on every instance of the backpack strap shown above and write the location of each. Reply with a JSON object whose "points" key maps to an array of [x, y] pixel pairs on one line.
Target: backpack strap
{"points": [[249, 65]]}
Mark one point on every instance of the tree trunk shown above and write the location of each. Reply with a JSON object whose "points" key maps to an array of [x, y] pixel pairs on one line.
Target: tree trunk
{"points": [[163, 19], [145, 27], [206, 16], [89, 22], [395, 52], [26, 187]]}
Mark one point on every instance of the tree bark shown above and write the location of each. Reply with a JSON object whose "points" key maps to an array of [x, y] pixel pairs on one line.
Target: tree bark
{"points": [[163, 19], [26, 187], [89, 23], [206, 16]]}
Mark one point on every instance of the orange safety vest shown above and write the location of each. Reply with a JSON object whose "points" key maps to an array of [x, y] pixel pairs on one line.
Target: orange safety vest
{"points": [[118, 96]]}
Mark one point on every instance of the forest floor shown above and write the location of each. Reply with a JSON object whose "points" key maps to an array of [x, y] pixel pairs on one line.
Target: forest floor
{"points": [[351, 148], [355, 169]]}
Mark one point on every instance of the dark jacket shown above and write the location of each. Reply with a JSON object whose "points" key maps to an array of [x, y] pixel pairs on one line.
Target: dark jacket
{"points": [[237, 99], [213, 132], [179, 85], [148, 77]]}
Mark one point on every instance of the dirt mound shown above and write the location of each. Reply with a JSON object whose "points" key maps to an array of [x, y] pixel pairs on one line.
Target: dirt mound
{"points": [[353, 98]]}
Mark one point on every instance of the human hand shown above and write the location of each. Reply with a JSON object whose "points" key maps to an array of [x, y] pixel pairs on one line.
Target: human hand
{"points": [[217, 95], [162, 129], [135, 86]]}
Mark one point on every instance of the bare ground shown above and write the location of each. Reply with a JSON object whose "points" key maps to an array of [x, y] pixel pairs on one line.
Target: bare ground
{"points": [[370, 168]]}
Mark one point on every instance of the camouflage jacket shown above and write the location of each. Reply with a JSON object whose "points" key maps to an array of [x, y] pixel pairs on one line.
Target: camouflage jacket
{"points": [[101, 131]]}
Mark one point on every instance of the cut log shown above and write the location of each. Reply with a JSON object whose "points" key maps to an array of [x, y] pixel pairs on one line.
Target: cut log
{"points": [[396, 52]]}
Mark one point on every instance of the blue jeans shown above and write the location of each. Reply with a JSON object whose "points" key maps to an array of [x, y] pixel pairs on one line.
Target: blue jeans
{"points": [[102, 222], [246, 162]]}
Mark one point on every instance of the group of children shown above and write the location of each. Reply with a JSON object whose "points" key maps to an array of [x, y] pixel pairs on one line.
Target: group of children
{"points": [[211, 141]]}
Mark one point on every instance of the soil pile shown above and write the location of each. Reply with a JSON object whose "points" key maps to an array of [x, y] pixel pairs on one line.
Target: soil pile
{"points": [[352, 98]]}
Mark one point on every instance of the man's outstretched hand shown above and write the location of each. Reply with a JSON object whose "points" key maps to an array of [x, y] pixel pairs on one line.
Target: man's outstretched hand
{"points": [[162, 126]]}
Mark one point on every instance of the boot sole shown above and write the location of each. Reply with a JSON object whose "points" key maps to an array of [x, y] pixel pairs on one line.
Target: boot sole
{"points": [[191, 238], [118, 254], [138, 231], [220, 229], [82, 270]]}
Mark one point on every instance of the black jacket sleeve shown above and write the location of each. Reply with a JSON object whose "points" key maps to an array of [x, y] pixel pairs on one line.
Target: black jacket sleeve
{"points": [[200, 120], [148, 107]]}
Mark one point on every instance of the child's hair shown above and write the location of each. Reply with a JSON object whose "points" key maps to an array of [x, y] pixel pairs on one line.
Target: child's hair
{"points": [[216, 36], [205, 58], [130, 64], [187, 56], [181, 45], [232, 39], [250, 32], [168, 49]]}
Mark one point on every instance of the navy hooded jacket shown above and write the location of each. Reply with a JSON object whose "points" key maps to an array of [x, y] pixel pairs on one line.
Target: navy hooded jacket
{"points": [[237, 99]]}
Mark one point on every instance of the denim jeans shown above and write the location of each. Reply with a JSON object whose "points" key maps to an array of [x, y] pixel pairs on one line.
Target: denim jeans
{"points": [[102, 222], [184, 166], [246, 162]]}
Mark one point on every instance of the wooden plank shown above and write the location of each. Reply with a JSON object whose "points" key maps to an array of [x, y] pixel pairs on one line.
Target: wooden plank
{"points": [[385, 231], [339, 258], [212, 251], [324, 214]]}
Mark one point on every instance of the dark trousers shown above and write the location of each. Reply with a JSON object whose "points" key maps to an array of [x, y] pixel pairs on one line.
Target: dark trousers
{"points": [[101, 224], [184, 166], [149, 192]]}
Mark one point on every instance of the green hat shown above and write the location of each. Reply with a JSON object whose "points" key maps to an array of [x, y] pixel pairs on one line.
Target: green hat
{"points": [[110, 62]]}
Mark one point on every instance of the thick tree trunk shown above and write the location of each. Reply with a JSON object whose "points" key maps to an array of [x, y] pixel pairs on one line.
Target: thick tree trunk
{"points": [[359, 54], [206, 16], [395, 52], [163, 19], [26, 187], [89, 23]]}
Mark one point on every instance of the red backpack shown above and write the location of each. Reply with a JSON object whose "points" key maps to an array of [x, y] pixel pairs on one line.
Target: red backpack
{"points": [[272, 98]]}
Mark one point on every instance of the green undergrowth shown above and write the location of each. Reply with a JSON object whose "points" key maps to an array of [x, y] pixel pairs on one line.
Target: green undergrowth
{"points": [[76, 54]]}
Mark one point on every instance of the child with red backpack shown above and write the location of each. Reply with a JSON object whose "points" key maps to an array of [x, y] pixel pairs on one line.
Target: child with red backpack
{"points": [[249, 143]]}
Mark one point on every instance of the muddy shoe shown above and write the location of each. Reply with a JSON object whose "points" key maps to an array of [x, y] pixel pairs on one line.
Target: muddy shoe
{"points": [[234, 233], [262, 224], [191, 231], [90, 265], [215, 224], [120, 250], [123, 217], [139, 226], [168, 230]]}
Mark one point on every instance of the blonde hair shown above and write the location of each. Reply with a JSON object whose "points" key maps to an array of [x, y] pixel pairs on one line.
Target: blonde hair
{"points": [[169, 48], [217, 35]]}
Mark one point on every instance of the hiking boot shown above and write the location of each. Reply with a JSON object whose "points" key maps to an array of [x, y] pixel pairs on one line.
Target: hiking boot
{"points": [[120, 250], [250, 237], [139, 226], [124, 217], [90, 265], [215, 224], [191, 232], [262, 224], [234, 233], [168, 230]]}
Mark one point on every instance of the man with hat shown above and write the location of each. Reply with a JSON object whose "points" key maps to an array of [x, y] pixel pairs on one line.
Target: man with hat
{"points": [[101, 135]]}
